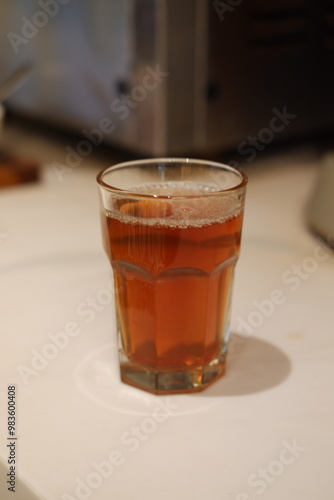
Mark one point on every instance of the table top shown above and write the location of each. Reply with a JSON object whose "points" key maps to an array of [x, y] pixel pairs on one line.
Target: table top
{"points": [[264, 429]]}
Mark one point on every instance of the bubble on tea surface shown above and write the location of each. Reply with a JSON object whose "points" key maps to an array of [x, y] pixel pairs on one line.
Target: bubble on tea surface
{"points": [[147, 209]]}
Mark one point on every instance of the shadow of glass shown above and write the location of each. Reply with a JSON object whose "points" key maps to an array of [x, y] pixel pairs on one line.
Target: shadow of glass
{"points": [[253, 365]]}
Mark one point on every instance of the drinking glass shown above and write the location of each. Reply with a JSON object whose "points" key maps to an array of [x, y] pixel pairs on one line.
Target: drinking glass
{"points": [[171, 229]]}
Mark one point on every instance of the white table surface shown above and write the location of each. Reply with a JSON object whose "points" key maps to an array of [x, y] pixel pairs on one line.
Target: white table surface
{"points": [[264, 430]]}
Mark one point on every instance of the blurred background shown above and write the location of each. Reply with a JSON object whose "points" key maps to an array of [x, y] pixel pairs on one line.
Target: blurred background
{"points": [[232, 80], [164, 77]]}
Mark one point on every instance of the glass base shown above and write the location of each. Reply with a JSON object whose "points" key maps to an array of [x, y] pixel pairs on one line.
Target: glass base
{"points": [[166, 382]]}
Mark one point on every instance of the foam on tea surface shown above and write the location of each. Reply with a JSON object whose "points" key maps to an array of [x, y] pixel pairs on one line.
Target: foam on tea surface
{"points": [[176, 205]]}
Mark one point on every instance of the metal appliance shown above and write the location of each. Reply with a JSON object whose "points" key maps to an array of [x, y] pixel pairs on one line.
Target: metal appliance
{"points": [[165, 77]]}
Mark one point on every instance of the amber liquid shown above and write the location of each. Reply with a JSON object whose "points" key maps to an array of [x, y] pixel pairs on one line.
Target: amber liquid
{"points": [[173, 285]]}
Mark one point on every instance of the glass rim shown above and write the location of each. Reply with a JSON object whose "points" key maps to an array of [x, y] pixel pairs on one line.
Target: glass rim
{"points": [[171, 160]]}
